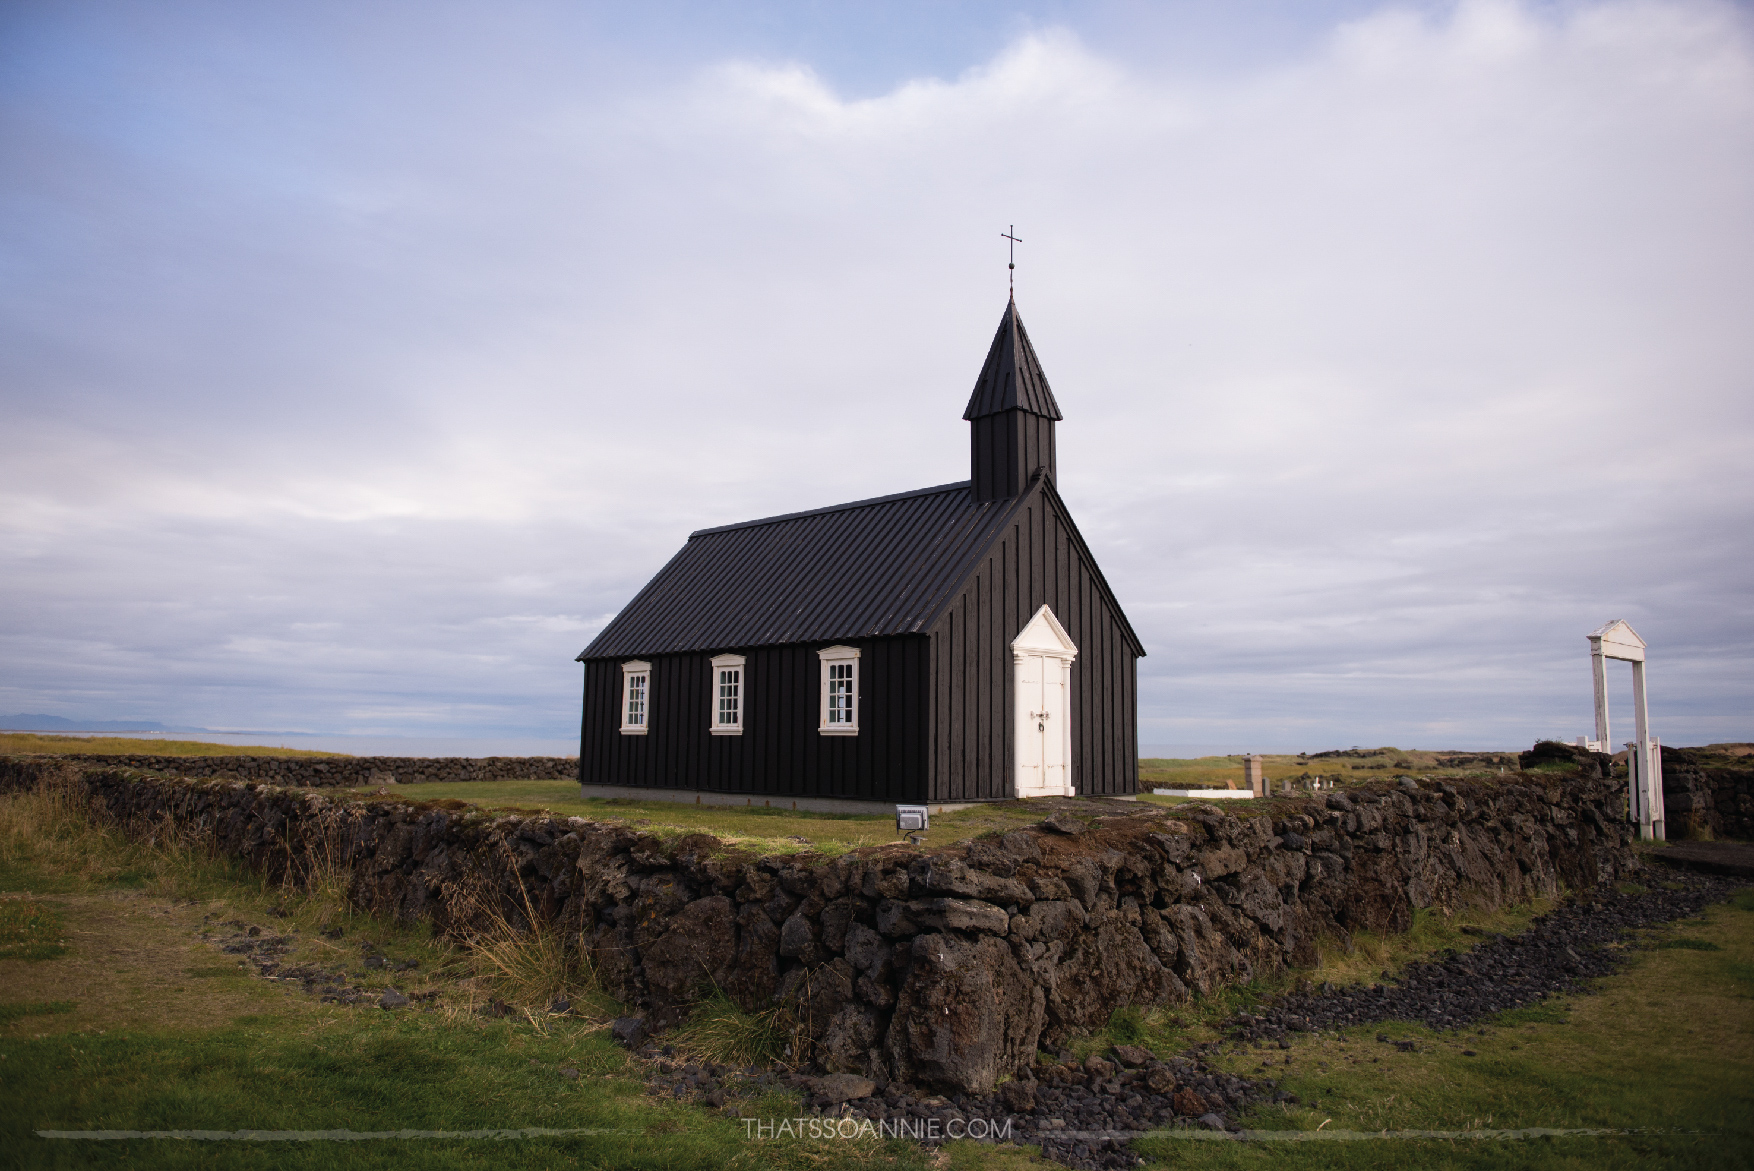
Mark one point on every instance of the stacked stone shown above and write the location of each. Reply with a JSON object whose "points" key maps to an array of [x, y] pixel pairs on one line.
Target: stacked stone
{"points": [[945, 968], [1707, 795]]}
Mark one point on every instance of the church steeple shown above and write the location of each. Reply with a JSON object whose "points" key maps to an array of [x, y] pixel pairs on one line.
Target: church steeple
{"points": [[1011, 415]]}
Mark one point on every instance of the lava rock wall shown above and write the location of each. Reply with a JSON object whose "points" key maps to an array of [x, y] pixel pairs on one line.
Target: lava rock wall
{"points": [[947, 967], [1708, 794], [344, 771]]}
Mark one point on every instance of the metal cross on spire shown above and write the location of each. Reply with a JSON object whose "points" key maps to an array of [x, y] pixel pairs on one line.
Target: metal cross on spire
{"points": [[1013, 265]]}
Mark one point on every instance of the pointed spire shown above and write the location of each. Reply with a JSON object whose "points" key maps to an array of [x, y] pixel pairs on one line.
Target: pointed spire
{"points": [[1012, 379]]}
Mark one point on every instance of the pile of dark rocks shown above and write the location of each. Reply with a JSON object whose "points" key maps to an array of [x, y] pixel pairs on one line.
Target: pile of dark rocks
{"points": [[264, 952], [713, 1085]]}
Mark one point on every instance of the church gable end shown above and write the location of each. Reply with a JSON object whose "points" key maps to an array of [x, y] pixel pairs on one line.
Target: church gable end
{"points": [[1040, 559]]}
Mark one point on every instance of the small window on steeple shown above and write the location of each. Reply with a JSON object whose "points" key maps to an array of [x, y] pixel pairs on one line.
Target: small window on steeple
{"points": [[840, 691]]}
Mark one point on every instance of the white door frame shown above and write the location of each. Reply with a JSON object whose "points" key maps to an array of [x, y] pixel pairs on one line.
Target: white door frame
{"points": [[1045, 639], [1644, 756]]}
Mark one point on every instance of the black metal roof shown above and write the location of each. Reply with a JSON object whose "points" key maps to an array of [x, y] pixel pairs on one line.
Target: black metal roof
{"points": [[884, 566], [881, 566], [1012, 378]]}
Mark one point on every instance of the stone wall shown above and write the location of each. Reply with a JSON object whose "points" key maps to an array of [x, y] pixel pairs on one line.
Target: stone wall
{"points": [[318, 771], [948, 967], [1708, 794]]}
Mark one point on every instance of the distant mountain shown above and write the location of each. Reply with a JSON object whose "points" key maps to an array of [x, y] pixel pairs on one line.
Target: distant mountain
{"points": [[24, 723]]}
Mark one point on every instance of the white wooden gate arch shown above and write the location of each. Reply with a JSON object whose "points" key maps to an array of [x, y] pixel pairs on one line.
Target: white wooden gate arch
{"points": [[1644, 756]]}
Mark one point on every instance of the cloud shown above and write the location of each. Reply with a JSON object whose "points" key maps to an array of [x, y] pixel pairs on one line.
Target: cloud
{"points": [[364, 367]]}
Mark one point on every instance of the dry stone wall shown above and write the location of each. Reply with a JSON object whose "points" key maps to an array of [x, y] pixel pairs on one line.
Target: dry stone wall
{"points": [[944, 967], [344, 771], [1708, 794]]}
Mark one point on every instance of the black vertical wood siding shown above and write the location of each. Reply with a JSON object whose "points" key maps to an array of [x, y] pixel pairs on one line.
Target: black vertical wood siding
{"points": [[1005, 449], [780, 753], [1036, 562]]}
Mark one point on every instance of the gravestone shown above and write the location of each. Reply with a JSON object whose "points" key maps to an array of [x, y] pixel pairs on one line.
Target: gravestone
{"points": [[1254, 776]]}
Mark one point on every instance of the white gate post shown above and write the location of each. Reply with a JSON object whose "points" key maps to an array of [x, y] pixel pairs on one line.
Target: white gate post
{"points": [[1644, 756], [1650, 763], [1659, 820]]}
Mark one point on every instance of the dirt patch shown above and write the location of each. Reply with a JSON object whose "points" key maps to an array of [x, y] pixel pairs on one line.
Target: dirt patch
{"points": [[132, 963]]}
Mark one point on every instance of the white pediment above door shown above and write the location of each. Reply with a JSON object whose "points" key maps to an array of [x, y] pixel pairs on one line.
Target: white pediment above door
{"points": [[1045, 636]]}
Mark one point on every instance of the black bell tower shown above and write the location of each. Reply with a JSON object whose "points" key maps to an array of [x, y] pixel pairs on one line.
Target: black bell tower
{"points": [[1011, 415]]}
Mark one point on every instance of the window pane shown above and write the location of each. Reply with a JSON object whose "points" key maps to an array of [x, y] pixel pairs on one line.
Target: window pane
{"points": [[636, 701], [840, 693], [730, 684]]}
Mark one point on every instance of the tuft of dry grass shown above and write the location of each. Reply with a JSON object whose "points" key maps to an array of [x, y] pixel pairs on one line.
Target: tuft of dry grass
{"points": [[48, 829], [721, 1032], [534, 964]]}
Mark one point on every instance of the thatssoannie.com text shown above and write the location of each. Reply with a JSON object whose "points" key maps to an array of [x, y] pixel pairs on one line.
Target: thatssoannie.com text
{"points": [[918, 1129]]}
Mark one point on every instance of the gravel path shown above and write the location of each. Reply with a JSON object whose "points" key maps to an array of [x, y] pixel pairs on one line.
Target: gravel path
{"points": [[1560, 950]]}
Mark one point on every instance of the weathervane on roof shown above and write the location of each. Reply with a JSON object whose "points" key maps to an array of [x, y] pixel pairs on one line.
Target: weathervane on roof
{"points": [[1013, 265]]}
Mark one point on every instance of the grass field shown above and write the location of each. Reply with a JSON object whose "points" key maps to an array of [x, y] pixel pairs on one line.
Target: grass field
{"points": [[1370, 764], [1662, 1054], [33, 742], [766, 829], [131, 1020]]}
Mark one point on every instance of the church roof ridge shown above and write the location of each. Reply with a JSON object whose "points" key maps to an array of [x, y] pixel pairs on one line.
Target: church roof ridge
{"points": [[1012, 377], [870, 500]]}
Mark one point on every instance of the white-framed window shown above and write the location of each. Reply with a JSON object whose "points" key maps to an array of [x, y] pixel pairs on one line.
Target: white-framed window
{"points": [[636, 698], [729, 677], [840, 691]]}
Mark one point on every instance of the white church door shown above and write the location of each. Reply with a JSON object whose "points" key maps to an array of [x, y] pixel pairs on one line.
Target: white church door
{"points": [[1042, 660]]}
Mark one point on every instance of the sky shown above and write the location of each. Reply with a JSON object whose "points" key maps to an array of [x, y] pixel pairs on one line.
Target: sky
{"points": [[358, 362]]}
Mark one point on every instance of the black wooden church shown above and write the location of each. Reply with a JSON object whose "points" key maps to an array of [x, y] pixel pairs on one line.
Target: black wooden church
{"points": [[951, 644]]}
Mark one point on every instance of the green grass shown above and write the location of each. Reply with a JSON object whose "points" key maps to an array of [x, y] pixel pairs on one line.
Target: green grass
{"points": [[1548, 1012], [1223, 772], [13, 1012], [766, 829], [1126, 1026], [1665, 1047], [363, 1070], [29, 930], [32, 742]]}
